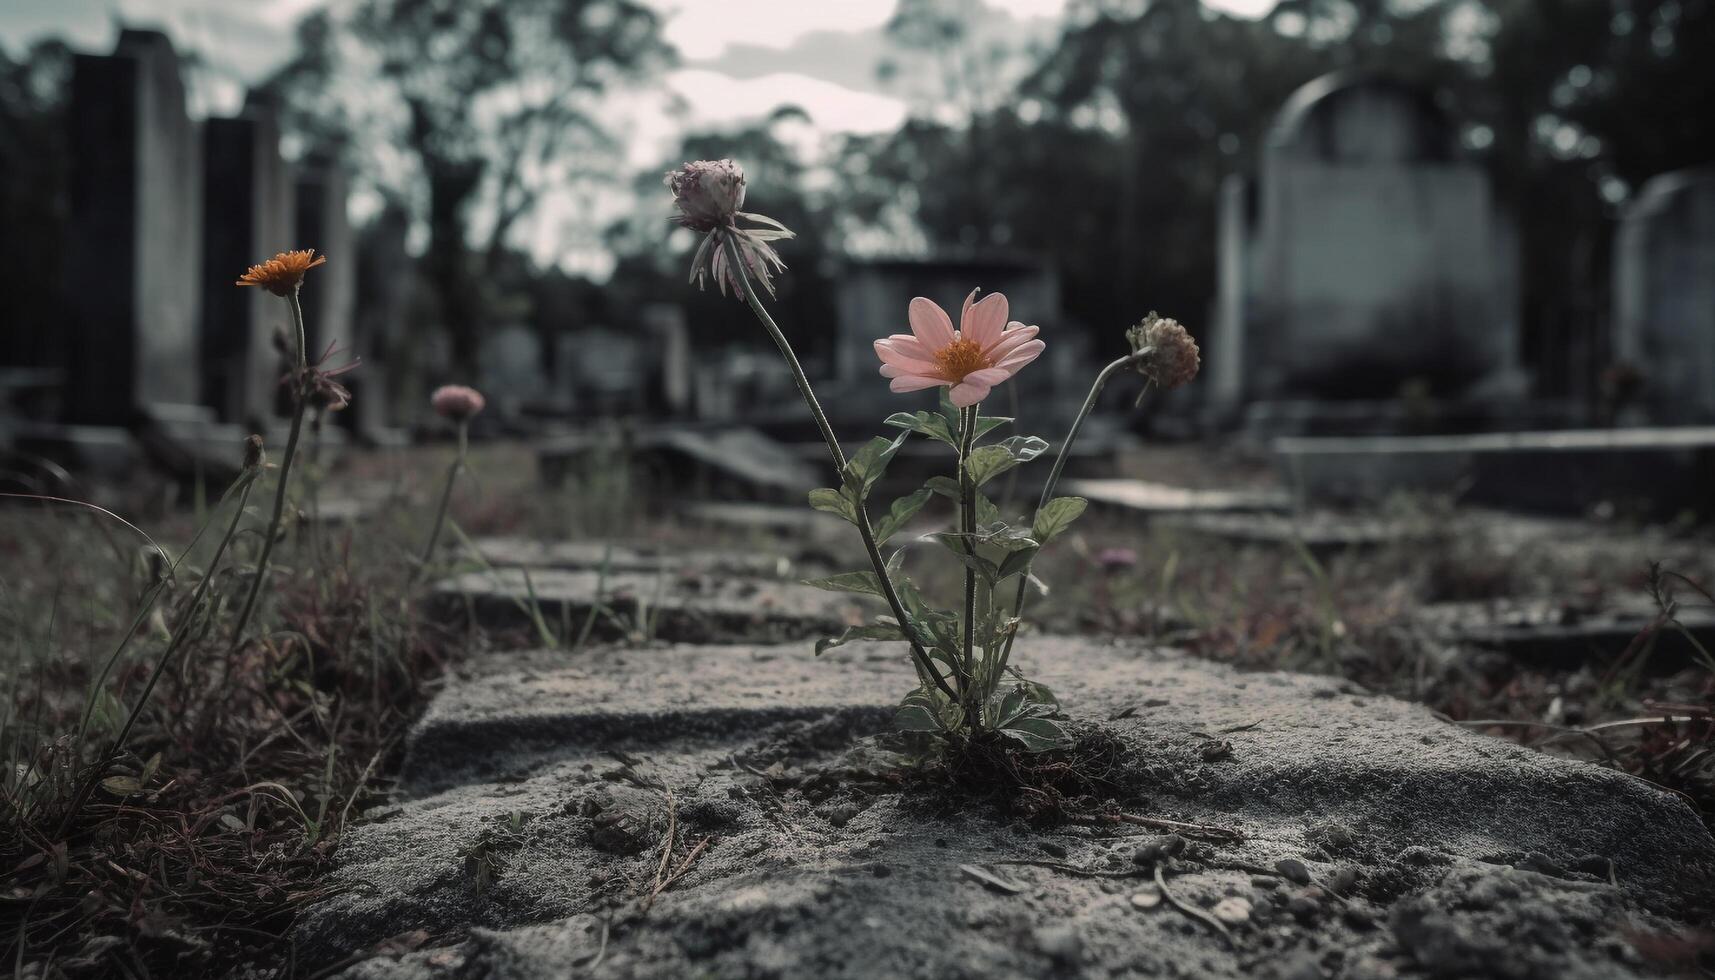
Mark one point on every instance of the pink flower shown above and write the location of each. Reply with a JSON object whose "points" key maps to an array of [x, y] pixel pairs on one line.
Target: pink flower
{"points": [[456, 402], [1117, 559], [985, 351]]}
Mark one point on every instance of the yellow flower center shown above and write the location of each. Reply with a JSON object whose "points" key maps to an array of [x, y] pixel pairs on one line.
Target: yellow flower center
{"points": [[960, 358]]}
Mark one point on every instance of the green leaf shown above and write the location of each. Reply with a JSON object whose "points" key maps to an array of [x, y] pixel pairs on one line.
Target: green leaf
{"points": [[1036, 734], [927, 424], [874, 631], [920, 711], [867, 465], [834, 502], [902, 511], [988, 424], [987, 462], [987, 512], [861, 582], [962, 547], [1056, 515], [1016, 562], [946, 486]]}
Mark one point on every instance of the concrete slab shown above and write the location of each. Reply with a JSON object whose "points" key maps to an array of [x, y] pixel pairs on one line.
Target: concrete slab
{"points": [[701, 608], [1566, 635], [514, 552], [752, 785], [1150, 499], [1654, 471], [729, 463]]}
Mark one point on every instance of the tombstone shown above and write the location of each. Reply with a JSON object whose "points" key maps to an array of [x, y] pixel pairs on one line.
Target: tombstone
{"points": [[329, 296], [512, 373], [391, 384], [247, 217], [1366, 258], [670, 393], [606, 370], [1664, 296], [134, 245]]}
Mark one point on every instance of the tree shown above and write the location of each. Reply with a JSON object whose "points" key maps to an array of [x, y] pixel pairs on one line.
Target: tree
{"points": [[467, 111]]}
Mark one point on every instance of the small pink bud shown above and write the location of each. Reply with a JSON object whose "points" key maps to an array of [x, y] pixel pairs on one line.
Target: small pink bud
{"points": [[1117, 559], [456, 402]]}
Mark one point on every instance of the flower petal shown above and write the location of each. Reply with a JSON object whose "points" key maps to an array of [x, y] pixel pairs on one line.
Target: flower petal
{"points": [[1015, 334], [967, 393], [984, 321], [965, 311], [914, 382], [896, 368], [929, 322], [1025, 353], [904, 345], [988, 377]]}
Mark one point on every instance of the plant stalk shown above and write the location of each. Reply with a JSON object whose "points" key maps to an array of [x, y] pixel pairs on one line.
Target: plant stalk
{"points": [[446, 498], [968, 529], [865, 529], [1059, 467], [301, 403]]}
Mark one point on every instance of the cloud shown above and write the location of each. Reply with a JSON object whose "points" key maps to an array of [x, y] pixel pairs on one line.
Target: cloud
{"points": [[703, 28], [714, 98]]}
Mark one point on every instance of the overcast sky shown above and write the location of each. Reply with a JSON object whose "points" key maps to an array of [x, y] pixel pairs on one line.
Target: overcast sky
{"points": [[740, 59]]}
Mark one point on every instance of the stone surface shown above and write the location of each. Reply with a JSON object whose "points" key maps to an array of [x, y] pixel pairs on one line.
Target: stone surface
{"points": [[1566, 635], [1151, 499], [504, 552], [730, 463], [1654, 471], [1664, 297], [134, 245], [1367, 255], [1322, 533], [676, 607], [545, 791]]}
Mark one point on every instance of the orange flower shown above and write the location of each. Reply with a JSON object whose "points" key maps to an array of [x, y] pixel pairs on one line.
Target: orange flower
{"points": [[284, 272]]}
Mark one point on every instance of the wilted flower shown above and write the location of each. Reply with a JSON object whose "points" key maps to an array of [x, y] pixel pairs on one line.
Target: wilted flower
{"points": [[708, 194], [284, 272], [457, 402], [985, 350], [316, 381], [1117, 559], [1172, 356], [254, 457]]}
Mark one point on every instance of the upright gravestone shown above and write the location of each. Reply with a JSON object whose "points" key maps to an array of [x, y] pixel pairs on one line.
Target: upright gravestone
{"points": [[391, 385], [670, 389], [1367, 257], [1664, 295], [247, 217], [329, 297], [134, 236]]}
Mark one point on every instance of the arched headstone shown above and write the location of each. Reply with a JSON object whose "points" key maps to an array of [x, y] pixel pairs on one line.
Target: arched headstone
{"points": [[1367, 258], [1664, 295]]}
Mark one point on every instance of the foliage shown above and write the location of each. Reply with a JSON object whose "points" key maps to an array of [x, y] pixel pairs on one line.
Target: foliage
{"points": [[970, 649]]}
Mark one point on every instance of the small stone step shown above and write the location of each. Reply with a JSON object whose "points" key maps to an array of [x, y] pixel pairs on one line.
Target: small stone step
{"points": [[678, 608], [508, 552]]}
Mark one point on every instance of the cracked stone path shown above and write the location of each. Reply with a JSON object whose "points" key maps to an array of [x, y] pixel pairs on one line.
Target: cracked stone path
{"points": [[753, 788]]}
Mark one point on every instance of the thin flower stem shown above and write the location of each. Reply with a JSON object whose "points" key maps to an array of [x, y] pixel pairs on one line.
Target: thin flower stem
{"points": [[968, 528], [247, 480], [865, 530], [301, 403], [446, 498], [1048, 488]]}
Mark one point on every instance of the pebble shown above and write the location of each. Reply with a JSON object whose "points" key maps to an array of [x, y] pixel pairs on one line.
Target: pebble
{"points": [[1232, 911], [1146, 899], [1060, 943], [1052, 849], [1293, 870], [1264, 881], [1157, 848], [841, 815]]}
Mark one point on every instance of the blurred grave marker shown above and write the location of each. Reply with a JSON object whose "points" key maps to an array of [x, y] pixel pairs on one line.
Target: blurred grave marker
{"points": [[1664, 300]]}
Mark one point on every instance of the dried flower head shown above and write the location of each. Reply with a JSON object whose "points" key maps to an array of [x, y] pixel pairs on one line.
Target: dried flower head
{"points": [[985, 351], [254, 456], [1171, 357], [708, 194], [316, 381], [457, 402], [284, 272]]}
